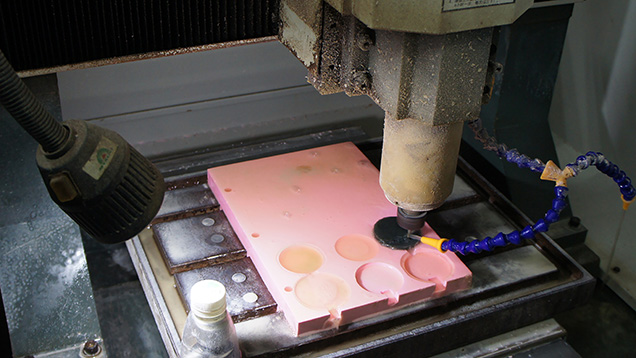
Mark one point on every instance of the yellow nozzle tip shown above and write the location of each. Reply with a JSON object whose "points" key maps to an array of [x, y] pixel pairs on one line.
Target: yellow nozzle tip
{"points": [[552, 172], [626, 203], [436, 243]]}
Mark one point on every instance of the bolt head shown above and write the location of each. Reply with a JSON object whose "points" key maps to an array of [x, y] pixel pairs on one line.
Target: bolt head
{"points": [[575, 221], [91, 348]]}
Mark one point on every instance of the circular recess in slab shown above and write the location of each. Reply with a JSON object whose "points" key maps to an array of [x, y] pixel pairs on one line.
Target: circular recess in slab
{"points": [[288, 289], [215, 239], [227, 190], [208, 222], [322, 291], [239, 277], [256, 235], [357, 247], [250, 297], [301, 259], [428, 265], [382, 278]]}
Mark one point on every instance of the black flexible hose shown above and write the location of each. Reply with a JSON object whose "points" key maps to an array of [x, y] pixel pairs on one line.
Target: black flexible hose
{"points": [[28, 111]]}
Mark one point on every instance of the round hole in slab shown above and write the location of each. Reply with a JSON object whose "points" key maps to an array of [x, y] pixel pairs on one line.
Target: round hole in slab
{"points": [[428, 265], [288, 289], [227, 190], [357, 247], [216, 239], [255, 235], [321, 290], [301, 259], [208, 222], [239, 277], [379, 277], [250, 297]]}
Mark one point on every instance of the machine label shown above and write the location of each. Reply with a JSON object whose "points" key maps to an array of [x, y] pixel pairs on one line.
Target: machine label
{"points": [[450, 5], [101, 158]]}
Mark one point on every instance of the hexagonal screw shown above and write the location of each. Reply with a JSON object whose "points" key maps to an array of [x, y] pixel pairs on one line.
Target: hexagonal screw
{"points": [[91, 348], [574, 221], [362, 80], [364, 41]]}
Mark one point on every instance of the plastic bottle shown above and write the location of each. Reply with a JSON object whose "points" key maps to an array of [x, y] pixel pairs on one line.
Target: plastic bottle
{"points": [[209, 330]]}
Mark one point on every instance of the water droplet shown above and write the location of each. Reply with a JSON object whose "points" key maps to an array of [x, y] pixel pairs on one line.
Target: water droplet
{"points": [[314, 154], [363, 163], [296, 189], [208, 222], [239, 277], [335, 170], [287, 214], [250, 297], [33, 214], [216, 239]]}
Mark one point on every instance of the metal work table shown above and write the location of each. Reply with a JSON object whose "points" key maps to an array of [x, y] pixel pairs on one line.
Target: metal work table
{"points": [[512, 288]]}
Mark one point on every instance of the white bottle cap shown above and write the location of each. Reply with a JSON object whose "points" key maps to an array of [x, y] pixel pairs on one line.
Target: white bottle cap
{"points": [[207, 299]]}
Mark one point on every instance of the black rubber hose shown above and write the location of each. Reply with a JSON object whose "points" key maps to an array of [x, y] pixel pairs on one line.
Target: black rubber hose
{"points": [[28, 111]]}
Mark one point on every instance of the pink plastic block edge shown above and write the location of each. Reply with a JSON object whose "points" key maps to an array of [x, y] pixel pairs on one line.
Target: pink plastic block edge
{"points": [[311, 199]]}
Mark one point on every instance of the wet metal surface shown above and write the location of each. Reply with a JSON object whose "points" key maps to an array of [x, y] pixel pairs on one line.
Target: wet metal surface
{"points": [[44, 279], [184, 202], [125, 318], [124, 315], [198, 241], [45, 286], [514, 267], [509, 344], [462, 194], [247, 295], [476, 220]]}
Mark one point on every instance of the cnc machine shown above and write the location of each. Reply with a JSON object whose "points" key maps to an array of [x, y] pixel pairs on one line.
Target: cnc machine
{"points": [[430, 66]]}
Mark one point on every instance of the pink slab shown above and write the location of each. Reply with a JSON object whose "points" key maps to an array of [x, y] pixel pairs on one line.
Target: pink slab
{"points": [[306, 220]]}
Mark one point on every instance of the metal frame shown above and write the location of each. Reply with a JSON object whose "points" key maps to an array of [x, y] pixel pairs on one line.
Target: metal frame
{"points": [[167, 329]]}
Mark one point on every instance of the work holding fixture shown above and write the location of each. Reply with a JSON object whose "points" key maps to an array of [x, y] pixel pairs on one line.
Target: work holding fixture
{"points": [[108, 188]]}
